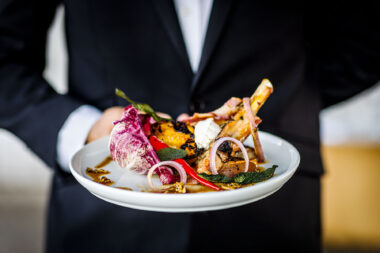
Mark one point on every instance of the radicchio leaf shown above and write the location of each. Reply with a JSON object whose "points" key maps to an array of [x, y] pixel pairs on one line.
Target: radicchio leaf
{"points": [[130, 147]]}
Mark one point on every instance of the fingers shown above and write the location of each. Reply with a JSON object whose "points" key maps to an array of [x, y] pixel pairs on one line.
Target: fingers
{"points": [[183, 116], [104, 125], [163, 115]]}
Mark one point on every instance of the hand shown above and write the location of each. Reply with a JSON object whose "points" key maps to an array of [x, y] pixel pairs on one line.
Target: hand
{"points": [[104, 125]]}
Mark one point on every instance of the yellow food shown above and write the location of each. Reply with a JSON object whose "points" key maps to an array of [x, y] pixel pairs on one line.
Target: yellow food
{"points": [[177, 134]]}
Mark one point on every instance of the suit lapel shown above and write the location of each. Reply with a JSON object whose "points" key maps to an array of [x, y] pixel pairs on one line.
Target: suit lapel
{"points": [[218, 18], [168, 17]]}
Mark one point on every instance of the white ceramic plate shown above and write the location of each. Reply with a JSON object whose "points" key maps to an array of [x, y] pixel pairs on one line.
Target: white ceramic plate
{"points": [[276, 150]]}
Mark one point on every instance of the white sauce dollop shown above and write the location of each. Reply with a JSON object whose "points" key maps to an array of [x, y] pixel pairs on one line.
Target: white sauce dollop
{"points": [[205, 131]]}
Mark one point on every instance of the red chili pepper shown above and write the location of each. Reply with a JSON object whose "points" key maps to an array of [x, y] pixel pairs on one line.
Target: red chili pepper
{"points": [[158, 144]]}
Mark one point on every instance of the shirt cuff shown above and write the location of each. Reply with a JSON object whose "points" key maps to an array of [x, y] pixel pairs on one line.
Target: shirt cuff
{"points": [[73, 133]]}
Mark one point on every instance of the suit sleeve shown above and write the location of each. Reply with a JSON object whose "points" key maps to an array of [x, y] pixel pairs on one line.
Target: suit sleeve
{"points": [[29, 107], [344, 45]]}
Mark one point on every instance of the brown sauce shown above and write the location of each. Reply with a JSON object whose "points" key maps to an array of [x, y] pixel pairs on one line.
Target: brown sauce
{"points": [[104, 163], [97, 175], [124, 188], [197, 188]]}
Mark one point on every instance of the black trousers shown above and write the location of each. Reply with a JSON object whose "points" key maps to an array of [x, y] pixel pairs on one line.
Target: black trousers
{"points": [[287, 221]]}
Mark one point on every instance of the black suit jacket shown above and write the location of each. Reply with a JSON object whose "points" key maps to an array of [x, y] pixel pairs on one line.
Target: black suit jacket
{"points": [[314, 55]]}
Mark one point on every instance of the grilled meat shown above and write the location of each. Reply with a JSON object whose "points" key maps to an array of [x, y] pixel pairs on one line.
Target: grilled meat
{"points": [[239, 127], [232, 168]]}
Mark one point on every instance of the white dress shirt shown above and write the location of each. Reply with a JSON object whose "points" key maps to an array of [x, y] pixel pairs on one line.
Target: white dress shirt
{"points": [[193, 17]]}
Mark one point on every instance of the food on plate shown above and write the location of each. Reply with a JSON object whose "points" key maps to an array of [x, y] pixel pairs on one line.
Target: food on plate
{"points": [[202, 152], [177, 134], [97, 175], [130, 148], [205, 132]]}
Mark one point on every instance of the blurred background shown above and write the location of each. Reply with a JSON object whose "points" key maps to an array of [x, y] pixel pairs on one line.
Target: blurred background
{"points": [[350, 134]]}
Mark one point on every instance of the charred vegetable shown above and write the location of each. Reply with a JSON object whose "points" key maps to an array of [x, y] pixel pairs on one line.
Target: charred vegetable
{"points": [[175, 134]]}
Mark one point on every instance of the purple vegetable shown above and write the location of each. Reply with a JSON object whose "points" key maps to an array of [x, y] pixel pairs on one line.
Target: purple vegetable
{"points": [[130, 147]]}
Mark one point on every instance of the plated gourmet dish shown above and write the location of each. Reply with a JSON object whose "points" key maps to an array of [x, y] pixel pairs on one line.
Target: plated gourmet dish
{"points": [[202, 152]]}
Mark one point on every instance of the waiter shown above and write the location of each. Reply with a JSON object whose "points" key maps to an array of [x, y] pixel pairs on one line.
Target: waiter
{"points": [[182, 56]]}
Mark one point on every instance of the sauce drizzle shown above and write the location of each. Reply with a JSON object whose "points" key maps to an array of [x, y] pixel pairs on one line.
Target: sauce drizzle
{"points": [[97, 175], [104, 163]]}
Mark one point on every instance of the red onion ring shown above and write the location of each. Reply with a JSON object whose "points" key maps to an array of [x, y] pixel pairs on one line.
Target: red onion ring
{"points": [[215, 147], [255, 135], [177, 166]]}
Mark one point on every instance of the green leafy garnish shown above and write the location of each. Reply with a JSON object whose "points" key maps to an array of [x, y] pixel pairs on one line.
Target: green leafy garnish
{"points": [[254, 177], [140, 106], [219, 178], [169, 154], [241, 178]]}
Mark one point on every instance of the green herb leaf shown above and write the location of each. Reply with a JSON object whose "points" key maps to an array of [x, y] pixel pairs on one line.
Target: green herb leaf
{"points": [[169, 154], [140, 106], [219, 178], [241, 178], [254, 177]]}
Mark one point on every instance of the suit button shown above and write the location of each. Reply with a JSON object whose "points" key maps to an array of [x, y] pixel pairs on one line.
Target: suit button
{"points": [[192, 107], [197, 106]]}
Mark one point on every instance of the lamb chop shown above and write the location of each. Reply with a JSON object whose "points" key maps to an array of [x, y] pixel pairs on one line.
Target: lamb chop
{"points": [[244, 122]]}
